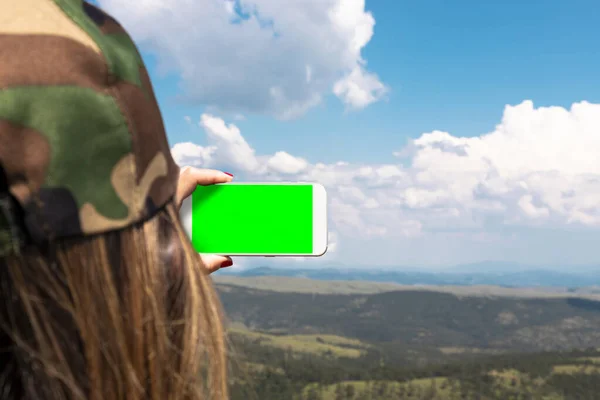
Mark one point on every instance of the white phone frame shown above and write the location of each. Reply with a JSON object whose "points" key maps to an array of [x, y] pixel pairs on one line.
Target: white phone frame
{"points": [[320, 230]]}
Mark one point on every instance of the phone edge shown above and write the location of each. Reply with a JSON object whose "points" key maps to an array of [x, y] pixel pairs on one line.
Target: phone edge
{"points": [[320, 229], [185, 213]]}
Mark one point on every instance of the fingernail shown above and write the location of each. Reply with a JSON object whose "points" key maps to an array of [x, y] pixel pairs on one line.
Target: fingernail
{"points": [[227, 173], [227, 263]]}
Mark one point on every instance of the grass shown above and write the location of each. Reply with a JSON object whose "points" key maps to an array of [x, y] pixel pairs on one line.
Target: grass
{"points": [[569, 369], [256, 367], [313, 286], [304, 285], [419, 385], [467, 350], [507, 375], [594, 360], [442, 385], [337, 346]]}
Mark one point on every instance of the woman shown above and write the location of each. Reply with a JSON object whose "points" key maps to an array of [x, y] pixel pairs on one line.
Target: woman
{"points": [[102, 295]]}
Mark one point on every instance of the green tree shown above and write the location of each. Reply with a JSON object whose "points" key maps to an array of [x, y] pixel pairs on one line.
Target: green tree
{"points": [[350, 391], [339, 392], [313, 394]]}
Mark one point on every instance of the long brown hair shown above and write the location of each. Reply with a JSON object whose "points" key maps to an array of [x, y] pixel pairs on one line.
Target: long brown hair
{"points": [[126, 315]]}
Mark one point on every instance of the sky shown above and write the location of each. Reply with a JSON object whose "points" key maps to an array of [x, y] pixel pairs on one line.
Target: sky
{"points": [[444, 132]]}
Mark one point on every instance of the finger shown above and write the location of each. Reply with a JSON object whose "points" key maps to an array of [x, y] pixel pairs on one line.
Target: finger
{"points": [[214, 263], [190, 177], [205, 176]]}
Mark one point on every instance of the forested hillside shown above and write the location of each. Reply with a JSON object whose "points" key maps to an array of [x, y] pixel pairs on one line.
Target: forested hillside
{"points": [[411, 344]]}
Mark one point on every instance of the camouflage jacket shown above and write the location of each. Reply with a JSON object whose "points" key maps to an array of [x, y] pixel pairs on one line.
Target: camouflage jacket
{"points": [[83, 148]]}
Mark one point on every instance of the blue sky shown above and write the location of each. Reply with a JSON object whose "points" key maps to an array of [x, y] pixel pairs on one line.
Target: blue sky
{"points": [[428, 66], [449, 67]]}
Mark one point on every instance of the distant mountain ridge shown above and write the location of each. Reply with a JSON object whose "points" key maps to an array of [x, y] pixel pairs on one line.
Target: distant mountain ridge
{"points": [[413, 319], [475, 274]]}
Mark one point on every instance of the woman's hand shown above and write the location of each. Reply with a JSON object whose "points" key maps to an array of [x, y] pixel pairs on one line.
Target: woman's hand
{"points": [[189, 178]]}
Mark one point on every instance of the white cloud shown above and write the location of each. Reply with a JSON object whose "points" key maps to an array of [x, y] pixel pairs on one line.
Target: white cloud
{"points": [[192, 154], [285, 163], [541, 161], [263, 56], [538, 169], [230, 147], [359, 88], [332, 242], [526, 204]]}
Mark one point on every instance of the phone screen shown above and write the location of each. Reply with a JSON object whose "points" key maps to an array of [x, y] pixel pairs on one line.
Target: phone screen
{"points": [[261, 219]]}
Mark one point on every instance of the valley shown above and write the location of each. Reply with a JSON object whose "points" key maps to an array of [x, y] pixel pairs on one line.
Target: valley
{"points": [[317, 339]]}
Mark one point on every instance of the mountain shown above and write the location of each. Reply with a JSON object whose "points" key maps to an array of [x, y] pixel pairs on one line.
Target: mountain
{"points": [[415, 319], [496, 267], [474, 274], [294, 335]]}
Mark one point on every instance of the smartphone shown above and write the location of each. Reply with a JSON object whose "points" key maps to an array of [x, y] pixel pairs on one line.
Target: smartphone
{"points": [[258, 219]]}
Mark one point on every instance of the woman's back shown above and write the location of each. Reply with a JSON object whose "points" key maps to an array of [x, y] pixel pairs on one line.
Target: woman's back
{"points": [[102, 294]]}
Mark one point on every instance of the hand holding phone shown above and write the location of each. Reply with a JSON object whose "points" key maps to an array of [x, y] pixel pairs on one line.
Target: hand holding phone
{"points": [[189, 179], [257, 219]]}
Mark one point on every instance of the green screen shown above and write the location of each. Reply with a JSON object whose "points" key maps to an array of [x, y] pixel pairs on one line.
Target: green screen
{"points": [[253, 219]]}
